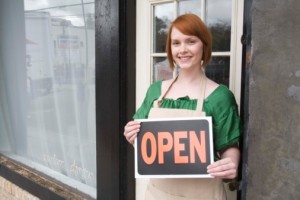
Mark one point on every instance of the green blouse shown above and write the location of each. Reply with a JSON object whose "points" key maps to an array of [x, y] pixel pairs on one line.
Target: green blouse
{"points": [[220, 105]]}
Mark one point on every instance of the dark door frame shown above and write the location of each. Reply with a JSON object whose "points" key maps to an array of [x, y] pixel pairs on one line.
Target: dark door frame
{"points": [[115, 97], [246, 57]]}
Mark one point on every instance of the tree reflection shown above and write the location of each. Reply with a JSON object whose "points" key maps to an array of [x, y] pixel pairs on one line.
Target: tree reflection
{"points": [[221, 32], [161, 28]]}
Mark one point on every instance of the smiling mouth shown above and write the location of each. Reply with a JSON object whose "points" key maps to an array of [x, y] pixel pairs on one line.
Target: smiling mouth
{"points": [[184, 58]]}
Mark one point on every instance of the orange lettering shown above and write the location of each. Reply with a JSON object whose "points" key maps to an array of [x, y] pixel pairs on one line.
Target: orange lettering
{"points": [[197, 145], [179, 147], [148, 159], [164, 147]]}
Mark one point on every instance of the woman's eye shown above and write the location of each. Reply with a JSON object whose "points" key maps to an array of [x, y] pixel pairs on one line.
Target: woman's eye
{"points": [[175, 43], [191, 42]]}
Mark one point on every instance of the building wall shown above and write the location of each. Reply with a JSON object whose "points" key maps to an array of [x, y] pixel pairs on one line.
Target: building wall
{"points": [[274, 101], [8, 190]]}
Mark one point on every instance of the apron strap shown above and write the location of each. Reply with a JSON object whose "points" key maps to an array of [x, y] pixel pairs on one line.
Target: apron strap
{"points": [[157, 103], [202, 92]]}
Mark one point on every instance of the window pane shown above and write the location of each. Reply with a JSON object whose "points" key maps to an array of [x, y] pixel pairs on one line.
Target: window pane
{"points": [[38, 4], [161, 69], [50, 117], [218, 19], [163, 15], [218, 70], [192, 6]]}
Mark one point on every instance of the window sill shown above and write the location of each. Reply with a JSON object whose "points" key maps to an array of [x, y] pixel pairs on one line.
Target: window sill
{"points": [[35, 182]]}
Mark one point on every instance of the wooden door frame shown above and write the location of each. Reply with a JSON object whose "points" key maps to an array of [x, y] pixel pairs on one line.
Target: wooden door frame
{"points": [[115, 97]]}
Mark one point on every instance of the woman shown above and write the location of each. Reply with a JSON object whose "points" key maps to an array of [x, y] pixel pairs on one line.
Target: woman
{"points": [[191, 93]]}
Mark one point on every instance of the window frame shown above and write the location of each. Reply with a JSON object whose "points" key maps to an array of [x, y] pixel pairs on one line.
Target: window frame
{"points": [[114, 72], [235, 53]]}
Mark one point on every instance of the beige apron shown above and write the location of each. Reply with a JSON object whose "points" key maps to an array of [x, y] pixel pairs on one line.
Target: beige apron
{"points": [[183, 188]]}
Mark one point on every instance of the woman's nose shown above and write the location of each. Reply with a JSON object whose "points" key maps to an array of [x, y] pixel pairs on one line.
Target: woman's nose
{"points": [[182, 48]]}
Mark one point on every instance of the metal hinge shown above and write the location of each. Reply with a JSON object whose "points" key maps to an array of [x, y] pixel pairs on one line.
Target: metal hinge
{"points": [[244, 39]]}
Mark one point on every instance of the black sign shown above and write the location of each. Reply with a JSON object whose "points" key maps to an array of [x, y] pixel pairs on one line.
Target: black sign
{"points": [[180, 147]]}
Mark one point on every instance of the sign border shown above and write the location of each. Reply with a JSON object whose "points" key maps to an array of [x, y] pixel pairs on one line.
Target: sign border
{"points": [[211, 148]]}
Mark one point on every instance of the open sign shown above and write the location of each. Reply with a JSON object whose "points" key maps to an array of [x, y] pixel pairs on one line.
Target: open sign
{"points": [[174, 148]]}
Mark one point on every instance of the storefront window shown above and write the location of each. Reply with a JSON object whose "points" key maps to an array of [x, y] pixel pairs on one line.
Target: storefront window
{"points": [[47, 96]]}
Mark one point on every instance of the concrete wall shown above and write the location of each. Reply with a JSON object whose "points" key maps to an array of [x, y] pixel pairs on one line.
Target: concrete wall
{"points": [[274, 101]]}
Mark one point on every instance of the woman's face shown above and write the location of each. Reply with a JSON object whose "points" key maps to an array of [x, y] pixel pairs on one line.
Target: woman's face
{"points": [[187, 50]]}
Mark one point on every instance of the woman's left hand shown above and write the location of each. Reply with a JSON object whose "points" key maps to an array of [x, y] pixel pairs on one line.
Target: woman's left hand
{"points": [[227, 167]]}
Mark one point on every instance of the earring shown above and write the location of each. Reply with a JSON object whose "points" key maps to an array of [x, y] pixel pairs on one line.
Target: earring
{"points": [[176, 68]]}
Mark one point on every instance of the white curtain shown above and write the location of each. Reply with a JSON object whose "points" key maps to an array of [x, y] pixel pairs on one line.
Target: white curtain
{"points": [[47, 96]]}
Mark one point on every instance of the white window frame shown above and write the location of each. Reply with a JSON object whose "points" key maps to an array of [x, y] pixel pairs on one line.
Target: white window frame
{"points": [[144, 46]]}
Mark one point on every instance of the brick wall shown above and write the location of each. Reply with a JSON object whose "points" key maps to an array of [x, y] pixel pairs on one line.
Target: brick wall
{"points": [[10, 191]]}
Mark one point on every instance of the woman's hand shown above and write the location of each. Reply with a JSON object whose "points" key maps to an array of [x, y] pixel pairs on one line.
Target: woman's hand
{"points": [[130, 130], [227, 167]]}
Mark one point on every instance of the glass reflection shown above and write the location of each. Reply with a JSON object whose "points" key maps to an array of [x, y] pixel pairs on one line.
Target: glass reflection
{"points": [[58, 122], [60, 74], [161, 69], [38, 4], [218, 70], [192, 6], [218, 19], [163, 15]]}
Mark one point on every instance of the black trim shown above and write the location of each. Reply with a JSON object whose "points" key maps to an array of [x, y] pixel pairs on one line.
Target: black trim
{"points": [[107, 98], [246, 55], [28, 185], [127, 12], [114, 158], [35, 182]]}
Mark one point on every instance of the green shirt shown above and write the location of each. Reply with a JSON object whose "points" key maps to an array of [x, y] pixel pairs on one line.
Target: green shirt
{"points": [[220, 105]]}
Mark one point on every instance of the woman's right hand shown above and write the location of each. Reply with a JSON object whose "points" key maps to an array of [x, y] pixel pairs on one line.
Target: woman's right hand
{"points": [[130, 130]]}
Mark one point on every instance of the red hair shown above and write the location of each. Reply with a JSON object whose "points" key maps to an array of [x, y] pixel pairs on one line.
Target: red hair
{"points": [[190, 24]]}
